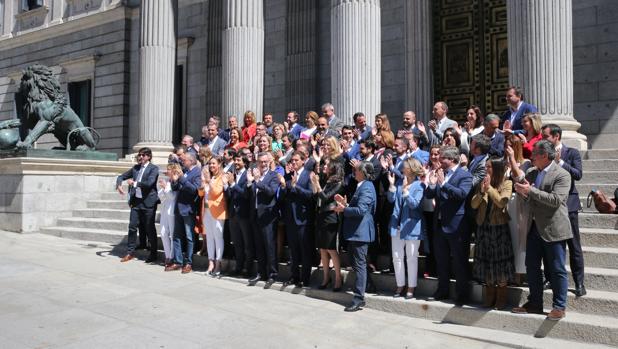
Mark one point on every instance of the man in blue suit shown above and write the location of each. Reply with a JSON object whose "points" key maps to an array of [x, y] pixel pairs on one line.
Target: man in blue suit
{"points": [[239, 212], [361, 130], [298, 212], [449, 186], [143, 199], [263, 184], [294, 128], [214, 142], [186, 185], [517, 109], [570, 160], [358, 228]]}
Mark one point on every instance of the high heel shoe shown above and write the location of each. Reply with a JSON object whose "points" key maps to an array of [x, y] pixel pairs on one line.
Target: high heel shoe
{"points": [[337, 288], [398, 292], [324, 286]]}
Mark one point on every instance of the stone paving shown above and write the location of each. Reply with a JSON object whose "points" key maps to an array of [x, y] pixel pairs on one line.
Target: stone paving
{"points": [[57, 293]]}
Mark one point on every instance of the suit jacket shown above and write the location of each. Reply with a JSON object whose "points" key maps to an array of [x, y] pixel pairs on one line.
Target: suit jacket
{"points": [[435, 137], [478, 170], [450, 202], [407, 218], [187, 186], [298, 203], [225, 134], [239, 197], [497, 145], [264, 196], [548, 208], [296, 130], [147, 185], [218, 147], [358, 216], [572, 163], [335, 123], [524, 109], [365, 134], [422, 156]]}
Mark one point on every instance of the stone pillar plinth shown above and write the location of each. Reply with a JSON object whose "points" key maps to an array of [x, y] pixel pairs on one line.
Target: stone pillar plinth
{"points": [[356, 58], [157, 68], [419, 67], [541, 61], [242, 58]]}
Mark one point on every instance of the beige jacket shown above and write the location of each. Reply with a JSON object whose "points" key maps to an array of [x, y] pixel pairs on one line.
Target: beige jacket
{"points": [[499, 198]]}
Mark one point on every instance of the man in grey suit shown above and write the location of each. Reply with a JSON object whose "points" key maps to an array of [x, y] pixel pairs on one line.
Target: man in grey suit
{"points": [[440, 123], [546, 189], [334, 123], [215, 143]]}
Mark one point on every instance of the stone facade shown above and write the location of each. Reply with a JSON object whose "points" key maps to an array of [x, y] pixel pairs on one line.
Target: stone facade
{"points": [[100, 39]]}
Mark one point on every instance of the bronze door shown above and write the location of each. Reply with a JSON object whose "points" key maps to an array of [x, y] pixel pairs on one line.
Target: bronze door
{"points": [[470, 55]]}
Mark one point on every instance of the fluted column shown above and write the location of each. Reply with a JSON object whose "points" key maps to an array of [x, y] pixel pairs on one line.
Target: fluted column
{"points": [[243, 57], [157, 68], [356, 58], [419, 67], [541, 61]]}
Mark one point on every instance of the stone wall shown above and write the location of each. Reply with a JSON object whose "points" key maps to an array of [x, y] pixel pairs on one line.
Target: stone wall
{"points": [[107, 44], [393, 60], [595, 70]]}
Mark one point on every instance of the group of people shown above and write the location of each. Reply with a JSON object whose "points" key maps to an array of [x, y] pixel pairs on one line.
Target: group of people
{"points": [[504, 183]]}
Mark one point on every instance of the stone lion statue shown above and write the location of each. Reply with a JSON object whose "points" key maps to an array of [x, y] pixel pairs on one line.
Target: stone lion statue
{"points": [[44, 109]]}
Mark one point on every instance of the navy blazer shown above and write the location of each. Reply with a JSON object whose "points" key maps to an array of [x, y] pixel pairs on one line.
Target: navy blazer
{"points": [[497, 145], [298, 203], [148, 186], [524, 109], [239, 198], [365, 134], [187, 186], [358, 216], [450, 202], [573, 165], [264, 193], [296, 130]]}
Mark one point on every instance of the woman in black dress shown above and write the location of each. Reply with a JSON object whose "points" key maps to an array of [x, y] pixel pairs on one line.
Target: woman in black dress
{"points": [[327, 221]]}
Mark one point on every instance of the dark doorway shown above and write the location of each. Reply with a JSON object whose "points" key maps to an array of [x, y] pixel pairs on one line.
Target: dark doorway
{"points": [[80, 99]]}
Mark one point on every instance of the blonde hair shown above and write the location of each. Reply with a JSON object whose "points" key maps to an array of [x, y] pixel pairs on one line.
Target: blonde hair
{"points": [[388, 138], [250, 114], [174, 168], [334, 145], [386, 125], [204, 155], [313, 116], [536, 121], [415, 167]]}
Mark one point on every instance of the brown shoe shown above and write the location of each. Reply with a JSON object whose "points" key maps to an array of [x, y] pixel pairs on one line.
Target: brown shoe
{"points": [[501, 298], [556, 314], [489, 296], [186, 269], [173, 267], [528, 308], [127, 258]]}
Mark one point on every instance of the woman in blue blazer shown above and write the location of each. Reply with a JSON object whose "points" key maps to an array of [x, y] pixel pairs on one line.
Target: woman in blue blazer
{"points": [[406, 225]]}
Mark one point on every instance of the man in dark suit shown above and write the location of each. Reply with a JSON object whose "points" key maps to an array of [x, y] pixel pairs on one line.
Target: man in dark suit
{"points": [[291, 122], [516, 111], [263, 184], [298, 208], [491, 126], [450, 186], [186, 185], [361, 130], [358, 228], [570, 160], [323, 130], [239, 212], [546, 190], [214, 142], [142, 180]]}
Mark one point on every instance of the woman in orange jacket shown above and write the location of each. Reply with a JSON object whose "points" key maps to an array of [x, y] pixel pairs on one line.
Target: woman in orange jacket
{"points": [[214, 215]]}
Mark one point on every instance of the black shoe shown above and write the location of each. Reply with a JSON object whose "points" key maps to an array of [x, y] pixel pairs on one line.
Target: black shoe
{"points": [[547, 285], [438, 296], [580, 290], [254, 280], [371, 288], [141, 247], [151, 259], [324, 286], [355, 307], [269, 283], [291, 281], [460, 302]]}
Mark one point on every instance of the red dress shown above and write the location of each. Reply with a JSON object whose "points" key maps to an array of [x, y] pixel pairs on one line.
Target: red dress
{"points": [[527, 147], [248, 132]]}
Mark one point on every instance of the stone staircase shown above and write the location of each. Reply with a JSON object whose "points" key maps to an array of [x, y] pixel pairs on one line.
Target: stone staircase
{"points": [[591, 319]]}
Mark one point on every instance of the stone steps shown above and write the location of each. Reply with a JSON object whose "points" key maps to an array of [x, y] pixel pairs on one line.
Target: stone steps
{"points": [[599, 176], [585, 188], [598, 220], [599, 154], [600, 165], [97, 223], [117, 214], [599, 237], [601, 257], [109, 204]]}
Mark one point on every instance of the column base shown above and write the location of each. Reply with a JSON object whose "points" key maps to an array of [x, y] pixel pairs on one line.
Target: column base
{"points": [[160, 151], [570, 136]]}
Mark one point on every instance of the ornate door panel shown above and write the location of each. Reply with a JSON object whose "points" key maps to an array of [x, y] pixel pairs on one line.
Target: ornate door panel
{"points": [[471, 60]]}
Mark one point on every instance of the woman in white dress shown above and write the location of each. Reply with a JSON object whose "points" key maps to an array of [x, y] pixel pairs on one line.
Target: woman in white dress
{"points": [[472, 127], [517, 209]]}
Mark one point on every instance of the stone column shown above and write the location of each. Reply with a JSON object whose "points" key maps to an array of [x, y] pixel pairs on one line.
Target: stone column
{"points": [[8, 14], [243, 58], [157, 68], [541, 61], [356, 58], [419, 67]]}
